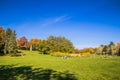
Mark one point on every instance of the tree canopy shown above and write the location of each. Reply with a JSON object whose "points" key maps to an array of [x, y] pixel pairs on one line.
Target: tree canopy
{"points": [[22, 43], [56, 44]]}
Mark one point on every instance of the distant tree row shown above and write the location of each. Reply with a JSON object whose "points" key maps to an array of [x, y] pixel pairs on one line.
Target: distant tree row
{"points": [[8, 44], [110, 49], [52, 44], [24, 44]]}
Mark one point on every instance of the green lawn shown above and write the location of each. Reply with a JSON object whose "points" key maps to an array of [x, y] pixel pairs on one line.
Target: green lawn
{"points": [[34, 66]]}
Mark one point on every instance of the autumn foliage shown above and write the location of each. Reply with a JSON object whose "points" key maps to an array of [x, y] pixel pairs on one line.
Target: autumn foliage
{"points": [[22, 43], [34, 43]]}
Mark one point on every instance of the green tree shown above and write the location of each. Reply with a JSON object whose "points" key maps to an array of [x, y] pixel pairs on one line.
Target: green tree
{"points": [[112, 50], [56, 44], [13, 44], [60, 44], [44, 47], [7, 40], [104, 52], [10, 42], [2, 40]]}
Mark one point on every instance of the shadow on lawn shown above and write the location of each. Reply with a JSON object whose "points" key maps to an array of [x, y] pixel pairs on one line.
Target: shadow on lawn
{"points": [[10, 72]]}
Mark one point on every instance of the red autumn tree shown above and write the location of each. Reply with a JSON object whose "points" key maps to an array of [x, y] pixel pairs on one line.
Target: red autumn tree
{"points": [[22, 43]]}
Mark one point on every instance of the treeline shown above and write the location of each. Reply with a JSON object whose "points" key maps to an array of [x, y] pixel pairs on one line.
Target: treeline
{"points": [[110, 49], [9, 44], [52, 44]]}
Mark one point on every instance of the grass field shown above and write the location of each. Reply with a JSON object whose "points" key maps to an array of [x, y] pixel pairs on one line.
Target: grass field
{"points": [[34, 66]]}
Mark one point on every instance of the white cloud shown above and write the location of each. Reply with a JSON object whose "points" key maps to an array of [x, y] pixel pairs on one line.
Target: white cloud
{"points": [[55, 20], [60, 18]]}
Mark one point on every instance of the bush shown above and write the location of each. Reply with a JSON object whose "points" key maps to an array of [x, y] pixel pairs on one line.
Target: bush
{"points": [[74, 55], [87, 54], [18, 53], [59, 54]]}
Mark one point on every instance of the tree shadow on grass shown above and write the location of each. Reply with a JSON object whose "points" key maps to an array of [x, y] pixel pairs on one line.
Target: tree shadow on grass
{"points": [[10, 72]]}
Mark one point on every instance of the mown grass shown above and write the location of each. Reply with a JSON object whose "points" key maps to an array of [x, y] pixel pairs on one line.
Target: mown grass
{"points": [[35, 66]]}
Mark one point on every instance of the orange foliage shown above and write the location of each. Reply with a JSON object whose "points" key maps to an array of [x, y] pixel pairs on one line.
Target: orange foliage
{"points": [[22, 43], [34, 41]]}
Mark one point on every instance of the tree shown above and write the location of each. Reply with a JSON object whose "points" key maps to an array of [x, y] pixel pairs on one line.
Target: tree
{"points": [[100, 49], [44, 47], [13, 43], [10, 42], [104, 52], [90, 50], [112, 50], [118, 48], [22, 43], [34, 43], [56, 44], [7, 40], [2, 40], [60, 44]]}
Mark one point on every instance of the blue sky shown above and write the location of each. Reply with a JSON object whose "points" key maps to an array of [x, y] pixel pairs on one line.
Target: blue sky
{"points": [[87, 23]]}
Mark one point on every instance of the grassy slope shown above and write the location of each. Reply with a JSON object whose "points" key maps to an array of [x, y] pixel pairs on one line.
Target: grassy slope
{"points": [[97, 68]]}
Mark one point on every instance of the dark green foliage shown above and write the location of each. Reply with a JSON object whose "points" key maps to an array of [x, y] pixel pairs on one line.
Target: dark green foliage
{"points": [[13, 43], [10, 42], [104, 51], [2, 40], [7, 41], [109, 50]]}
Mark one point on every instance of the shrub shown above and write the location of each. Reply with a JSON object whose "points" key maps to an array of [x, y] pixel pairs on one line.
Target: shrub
{"points": [[87, 54], [59, 54], [74, 55]]}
